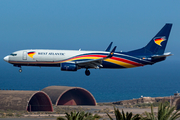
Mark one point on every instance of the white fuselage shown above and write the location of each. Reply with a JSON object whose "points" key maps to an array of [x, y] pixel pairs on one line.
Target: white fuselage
{"points": [[45, 56]]}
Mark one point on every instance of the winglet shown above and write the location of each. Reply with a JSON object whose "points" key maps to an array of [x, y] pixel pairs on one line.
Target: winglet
{"points": [[109, 47], [111, 53]]}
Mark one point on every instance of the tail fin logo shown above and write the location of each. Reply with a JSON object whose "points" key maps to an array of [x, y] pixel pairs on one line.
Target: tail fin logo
{"points": [[158, 41], [31, 54]]}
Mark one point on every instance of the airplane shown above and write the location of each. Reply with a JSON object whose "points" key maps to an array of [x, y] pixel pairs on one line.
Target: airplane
{"points": [[73, 60]]}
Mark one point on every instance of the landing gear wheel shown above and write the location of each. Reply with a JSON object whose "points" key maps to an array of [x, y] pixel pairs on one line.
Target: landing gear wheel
{"points": [[87, 72], [20, 70]]}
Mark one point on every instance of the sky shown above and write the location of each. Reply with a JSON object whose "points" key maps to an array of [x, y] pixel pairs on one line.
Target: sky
{"points": [[86, 25], [89, 25]]}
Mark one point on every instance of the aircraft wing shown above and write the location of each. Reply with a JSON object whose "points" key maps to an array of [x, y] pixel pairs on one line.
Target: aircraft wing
{"points": [[90, 63], [95, 63]]}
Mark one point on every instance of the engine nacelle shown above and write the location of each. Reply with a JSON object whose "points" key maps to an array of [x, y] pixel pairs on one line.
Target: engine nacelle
{"points": [[68, 67]]}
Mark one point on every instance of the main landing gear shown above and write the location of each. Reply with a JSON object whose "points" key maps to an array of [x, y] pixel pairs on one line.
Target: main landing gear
{"points": [[87, 72]]}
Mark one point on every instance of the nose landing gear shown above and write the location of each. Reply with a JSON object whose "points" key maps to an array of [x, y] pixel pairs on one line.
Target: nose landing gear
{"points": [[20, 70], [87, 72]]}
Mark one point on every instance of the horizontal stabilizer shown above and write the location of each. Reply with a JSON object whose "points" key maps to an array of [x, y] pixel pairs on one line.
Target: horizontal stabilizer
{"points": [[164, 55]]}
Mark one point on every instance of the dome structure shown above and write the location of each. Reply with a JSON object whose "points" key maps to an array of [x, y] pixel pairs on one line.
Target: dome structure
{"points": [[25, 100], [64, 95]]}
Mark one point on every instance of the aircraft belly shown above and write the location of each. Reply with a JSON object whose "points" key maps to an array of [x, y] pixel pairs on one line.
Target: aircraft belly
{"points": [[37, 64], [116, 62], [106, 64], [120, 63]]}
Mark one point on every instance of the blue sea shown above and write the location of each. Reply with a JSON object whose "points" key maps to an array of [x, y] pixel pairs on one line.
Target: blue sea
{"points": [[106, 85]]}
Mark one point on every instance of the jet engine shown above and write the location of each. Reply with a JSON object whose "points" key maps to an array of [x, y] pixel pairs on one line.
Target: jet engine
{"points": [[68, 67]]}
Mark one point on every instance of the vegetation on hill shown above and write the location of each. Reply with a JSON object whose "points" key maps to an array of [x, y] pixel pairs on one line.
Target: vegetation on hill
{"points": [[165, 112], [79, 116]]}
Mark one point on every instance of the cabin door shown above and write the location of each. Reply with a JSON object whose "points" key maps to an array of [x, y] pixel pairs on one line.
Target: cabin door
{"points": [[24, 55]]}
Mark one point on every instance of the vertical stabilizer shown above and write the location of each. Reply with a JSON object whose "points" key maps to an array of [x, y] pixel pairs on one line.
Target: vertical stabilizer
{"points": [[157, 44]]}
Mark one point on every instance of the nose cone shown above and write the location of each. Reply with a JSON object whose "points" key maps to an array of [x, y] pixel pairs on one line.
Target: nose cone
{"points": [[6, 58]]}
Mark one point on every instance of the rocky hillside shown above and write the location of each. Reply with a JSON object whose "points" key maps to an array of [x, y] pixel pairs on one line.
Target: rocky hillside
{"points": [[142, 100]]}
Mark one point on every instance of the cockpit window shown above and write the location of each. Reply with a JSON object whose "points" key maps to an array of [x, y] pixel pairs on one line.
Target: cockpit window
{"points": [[13, 54]]}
